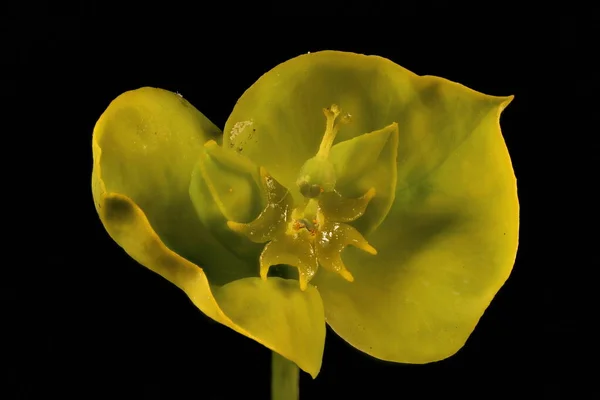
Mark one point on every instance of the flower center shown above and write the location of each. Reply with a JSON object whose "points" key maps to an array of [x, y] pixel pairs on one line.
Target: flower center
{"points": [[310, 218], [315, 232]]}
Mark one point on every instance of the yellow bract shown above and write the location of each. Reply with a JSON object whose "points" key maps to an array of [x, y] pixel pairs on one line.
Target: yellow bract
{"points": [[449, 240], [145, 146]]}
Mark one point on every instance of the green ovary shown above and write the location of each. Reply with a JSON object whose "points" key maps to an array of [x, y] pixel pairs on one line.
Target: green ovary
{"points": [[315, 232]]}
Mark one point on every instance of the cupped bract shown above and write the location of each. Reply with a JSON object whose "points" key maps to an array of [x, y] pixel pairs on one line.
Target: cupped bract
{"points": [[145, 147], [449, 240]]}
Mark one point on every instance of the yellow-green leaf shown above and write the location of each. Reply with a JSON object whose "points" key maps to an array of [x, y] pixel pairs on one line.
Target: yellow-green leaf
{"points": [[446, 247], [145, 146], [277, 311], [147, 143], [449, 241]]}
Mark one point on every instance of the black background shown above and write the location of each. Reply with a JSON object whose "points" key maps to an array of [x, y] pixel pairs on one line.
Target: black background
{"points": [[85, 321]]}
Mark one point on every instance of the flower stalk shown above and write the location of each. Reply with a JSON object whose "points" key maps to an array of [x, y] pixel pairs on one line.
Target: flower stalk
{"points": [[285, 378]]}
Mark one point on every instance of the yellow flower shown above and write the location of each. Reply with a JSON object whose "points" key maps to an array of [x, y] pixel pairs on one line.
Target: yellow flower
{"points": [[419, 172]]}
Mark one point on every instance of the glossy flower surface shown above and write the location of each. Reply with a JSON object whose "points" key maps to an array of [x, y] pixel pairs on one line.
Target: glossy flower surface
{"points": [[344, 189]]}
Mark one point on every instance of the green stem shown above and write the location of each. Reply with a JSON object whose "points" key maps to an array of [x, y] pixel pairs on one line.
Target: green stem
{"points": [[284, 378]]}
